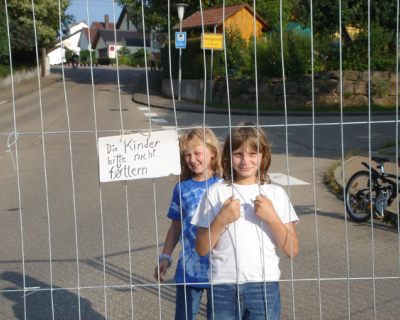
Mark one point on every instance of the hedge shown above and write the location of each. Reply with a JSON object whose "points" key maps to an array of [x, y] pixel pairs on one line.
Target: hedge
{"points": [[86, 53]]}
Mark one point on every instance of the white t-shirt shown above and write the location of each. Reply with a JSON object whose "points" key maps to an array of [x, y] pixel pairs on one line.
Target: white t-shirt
{"points": [[254, 244]]}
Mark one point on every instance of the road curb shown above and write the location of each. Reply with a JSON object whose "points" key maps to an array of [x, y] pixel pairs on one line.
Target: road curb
{"points": [[213, 110]]}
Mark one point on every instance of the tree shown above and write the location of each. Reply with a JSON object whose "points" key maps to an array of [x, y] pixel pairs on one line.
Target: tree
{"points": [[20, 16], [156, 11], [124, 51], [3, 34], [354, 14]]}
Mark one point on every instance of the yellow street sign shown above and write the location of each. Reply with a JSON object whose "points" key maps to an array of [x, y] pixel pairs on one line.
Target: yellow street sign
{"points": [[212, 41]]}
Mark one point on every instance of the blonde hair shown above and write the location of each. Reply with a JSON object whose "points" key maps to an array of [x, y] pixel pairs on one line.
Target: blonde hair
{"points": [[194, 138], [246, 133]]}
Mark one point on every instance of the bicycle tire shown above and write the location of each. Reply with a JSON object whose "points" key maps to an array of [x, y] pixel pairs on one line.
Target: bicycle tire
{"points": [[357, 196]]}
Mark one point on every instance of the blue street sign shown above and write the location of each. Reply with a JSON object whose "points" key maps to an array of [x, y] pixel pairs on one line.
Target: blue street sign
{"points": [[180, 40]]}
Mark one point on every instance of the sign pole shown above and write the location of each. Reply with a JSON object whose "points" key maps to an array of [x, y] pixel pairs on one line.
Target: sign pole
{"points": [[180, 66], [181, 12], [212, 56]]}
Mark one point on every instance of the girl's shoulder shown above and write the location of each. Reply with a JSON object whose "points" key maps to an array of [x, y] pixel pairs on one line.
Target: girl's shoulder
{"points": [[219, 186]]}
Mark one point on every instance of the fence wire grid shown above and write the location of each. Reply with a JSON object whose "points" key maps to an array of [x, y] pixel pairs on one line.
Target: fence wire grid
{"points": [[75, 248]]}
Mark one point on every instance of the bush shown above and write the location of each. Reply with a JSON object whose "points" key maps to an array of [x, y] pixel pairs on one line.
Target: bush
{"points": [[382, 51], [380, 87], [137, 58], [235, 45], [68, 55], [6, 70], [125, 60], [106, 61], [296, 53], [86, 53]]}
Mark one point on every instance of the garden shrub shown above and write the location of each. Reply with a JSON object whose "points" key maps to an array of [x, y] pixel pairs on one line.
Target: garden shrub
{"points": [[296, 53], [137, 58], [382, 50], [124, 60], [86, 53], [380, 87], [105, 61]]}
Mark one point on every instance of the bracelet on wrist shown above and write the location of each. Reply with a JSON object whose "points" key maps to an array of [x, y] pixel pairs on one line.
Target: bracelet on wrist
{"points": [[166, 256]]}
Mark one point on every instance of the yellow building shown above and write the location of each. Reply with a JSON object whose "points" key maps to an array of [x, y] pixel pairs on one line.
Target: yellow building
{"points": [[240, 15]]}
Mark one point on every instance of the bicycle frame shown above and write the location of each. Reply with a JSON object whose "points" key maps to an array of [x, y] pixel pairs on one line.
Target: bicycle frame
{"points": [[392, 187]]}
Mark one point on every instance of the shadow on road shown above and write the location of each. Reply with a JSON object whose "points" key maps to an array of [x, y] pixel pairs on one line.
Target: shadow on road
{"points": [[39, 303]]}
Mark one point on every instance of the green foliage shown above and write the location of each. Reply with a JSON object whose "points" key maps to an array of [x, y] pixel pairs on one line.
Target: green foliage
{"points": [[242, 90], [137, 58], [354, 13], [156, 11], [4, 71], [235, 44], [106, 61], [124, 60], [380, 87], [68, 55], [46, 18], [296, 53], [383, 57], [348, 95], [3, 36], [124, 51], [21, 27], [86, 53], [192, 61]]}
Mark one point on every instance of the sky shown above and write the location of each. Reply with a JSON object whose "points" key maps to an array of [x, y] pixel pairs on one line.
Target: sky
{"points": [[97, 10]]}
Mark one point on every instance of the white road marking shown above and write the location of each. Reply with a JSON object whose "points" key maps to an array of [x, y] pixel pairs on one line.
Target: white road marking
{"points": [[159, 120], [3, 102], [151, 114], [143, 108], [282, 179], [169, 128]]}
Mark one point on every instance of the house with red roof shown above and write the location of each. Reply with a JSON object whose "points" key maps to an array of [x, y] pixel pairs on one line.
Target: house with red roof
{"points": [[70, 41], [85, 41], [107, 42], [236, 15]]}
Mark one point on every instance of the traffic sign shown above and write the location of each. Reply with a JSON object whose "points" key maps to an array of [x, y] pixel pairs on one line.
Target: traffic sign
{"points": [[180, 40], [214, 41], [159, 39]]}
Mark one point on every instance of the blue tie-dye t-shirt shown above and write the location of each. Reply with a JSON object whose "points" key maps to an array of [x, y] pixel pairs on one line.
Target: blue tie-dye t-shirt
{"points": [[195, 266]]}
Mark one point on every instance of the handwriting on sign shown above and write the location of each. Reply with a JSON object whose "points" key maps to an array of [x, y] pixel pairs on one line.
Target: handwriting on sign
{"points": [[138, 156]]}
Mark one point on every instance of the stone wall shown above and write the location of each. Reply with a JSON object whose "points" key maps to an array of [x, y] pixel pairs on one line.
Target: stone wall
{"points": [[19, 76], [191, 90], [299, 90]]}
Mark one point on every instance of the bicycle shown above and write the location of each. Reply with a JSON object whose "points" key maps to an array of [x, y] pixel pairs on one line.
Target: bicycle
{"points": [[360, 193]]}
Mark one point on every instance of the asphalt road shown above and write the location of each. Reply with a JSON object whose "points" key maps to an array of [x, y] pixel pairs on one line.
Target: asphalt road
{"points": [[89, 241]]}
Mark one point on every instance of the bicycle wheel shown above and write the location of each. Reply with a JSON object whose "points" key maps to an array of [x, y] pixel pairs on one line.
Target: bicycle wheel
{"points": [[358, 202]]}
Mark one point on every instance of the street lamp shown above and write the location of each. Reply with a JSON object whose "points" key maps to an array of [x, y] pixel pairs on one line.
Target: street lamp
{"points": [[181, 10]]}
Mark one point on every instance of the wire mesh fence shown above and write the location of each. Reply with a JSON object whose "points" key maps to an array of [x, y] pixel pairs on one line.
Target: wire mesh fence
{"points": [[75, 248]]}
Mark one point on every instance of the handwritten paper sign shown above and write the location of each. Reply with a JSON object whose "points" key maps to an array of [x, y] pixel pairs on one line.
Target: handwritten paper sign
{"points": [[139, 156]]}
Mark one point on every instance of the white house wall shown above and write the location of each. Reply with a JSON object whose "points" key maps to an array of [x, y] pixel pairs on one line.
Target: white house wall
{"points": [[74, 40], [100, 45], [77, 27], [124, 24], [83, 42], [55, 56]]}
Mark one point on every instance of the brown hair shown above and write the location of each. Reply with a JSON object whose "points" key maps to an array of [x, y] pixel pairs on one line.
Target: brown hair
{"points": [[246, 133], [194, 138]]}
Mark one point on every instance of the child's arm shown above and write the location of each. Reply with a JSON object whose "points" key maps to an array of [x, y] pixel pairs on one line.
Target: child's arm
{"points": [[171, 240], [230, 212], [285, 234]]}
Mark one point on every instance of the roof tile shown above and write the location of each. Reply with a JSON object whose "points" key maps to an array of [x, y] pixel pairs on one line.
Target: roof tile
{"points": [[211, 16]]}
